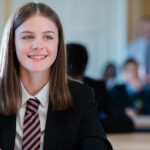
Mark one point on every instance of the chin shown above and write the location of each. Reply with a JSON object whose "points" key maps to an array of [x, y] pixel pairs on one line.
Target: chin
{"points": [[39, 70]]}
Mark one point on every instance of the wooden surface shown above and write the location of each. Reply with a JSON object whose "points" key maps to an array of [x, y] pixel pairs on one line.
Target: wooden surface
{"points": [[142, 121], [130, 141]]}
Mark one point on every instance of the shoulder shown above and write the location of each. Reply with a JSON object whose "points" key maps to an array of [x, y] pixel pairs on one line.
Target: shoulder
{"points": [[81, 93], [76, 86], [118, 88], [146, 89]]}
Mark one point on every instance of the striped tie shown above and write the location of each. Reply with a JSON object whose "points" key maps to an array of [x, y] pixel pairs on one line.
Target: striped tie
{"points": [[31, 127]]}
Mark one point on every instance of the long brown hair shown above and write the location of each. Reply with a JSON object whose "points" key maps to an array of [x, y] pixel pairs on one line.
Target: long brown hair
{"points": [[10, 88]]}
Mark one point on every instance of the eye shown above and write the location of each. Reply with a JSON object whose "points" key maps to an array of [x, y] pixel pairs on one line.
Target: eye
{"points": [[48, 37], [27, 37]]}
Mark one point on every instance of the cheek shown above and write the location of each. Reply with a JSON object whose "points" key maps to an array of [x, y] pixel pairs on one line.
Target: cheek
{"points": [[21, 48], [21, 52], [18, 47], [18, 51], [54, 49], [54, 55]]}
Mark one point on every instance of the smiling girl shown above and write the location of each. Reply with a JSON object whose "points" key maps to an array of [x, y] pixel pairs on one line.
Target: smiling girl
{"points": [[40, 108]]}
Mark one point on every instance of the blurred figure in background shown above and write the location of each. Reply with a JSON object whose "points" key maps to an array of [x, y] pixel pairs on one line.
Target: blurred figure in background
{"points": [[77, 60], [109, 75], [108, 115], [139, 49], [132, 96]]}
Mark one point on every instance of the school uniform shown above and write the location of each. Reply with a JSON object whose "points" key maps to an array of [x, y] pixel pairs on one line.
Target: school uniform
{"points": [[76, 128]]}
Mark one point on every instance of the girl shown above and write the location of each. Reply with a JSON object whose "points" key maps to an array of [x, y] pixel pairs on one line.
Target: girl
{"points": [[40, 108]]}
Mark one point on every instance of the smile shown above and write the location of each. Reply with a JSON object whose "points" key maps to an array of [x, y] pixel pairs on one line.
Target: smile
{"points": [[37, 57]]}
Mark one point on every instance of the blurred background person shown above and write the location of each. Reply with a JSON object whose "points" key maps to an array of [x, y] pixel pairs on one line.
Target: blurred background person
{"points": [[139, 49], [77, 60], [132, 96], [109, 75], [108, 115]]}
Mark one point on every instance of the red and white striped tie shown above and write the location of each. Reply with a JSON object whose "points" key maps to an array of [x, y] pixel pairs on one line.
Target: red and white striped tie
{"points": [[31, 127]]}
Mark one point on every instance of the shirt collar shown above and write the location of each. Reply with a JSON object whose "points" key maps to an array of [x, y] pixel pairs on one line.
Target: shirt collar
{"points": [[42, 95]]}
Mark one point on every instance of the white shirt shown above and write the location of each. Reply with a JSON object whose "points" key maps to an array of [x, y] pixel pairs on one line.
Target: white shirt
{"points": [[43, 97]]}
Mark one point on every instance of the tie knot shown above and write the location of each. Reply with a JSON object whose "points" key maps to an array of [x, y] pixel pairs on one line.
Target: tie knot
{"points": [[32, 105]]}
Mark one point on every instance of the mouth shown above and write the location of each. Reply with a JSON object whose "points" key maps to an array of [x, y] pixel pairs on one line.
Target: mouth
{"points": [[37, 57]]}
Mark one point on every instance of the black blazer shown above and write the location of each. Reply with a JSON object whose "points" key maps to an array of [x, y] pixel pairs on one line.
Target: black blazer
{"points": [[73, 129]]}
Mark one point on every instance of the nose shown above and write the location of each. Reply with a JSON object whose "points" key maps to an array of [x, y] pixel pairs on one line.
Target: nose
{"points": [[37, 44]]}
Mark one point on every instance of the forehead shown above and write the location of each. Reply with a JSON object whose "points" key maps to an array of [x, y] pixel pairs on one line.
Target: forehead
{"points": [[131, 65], [39, 23]]}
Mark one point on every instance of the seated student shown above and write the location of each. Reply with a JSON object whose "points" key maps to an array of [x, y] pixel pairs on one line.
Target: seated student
{"points": [[40, 109], [77, 62], [132, 96], [109, 75], [108, 116]]}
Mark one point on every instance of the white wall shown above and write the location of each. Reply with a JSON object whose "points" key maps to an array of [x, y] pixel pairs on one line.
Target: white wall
{"points": [[2, 17], [99, 24]]}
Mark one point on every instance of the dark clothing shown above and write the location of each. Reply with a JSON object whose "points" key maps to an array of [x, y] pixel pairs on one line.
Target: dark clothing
{"points": [[139, 101], [113, 119], [72, 129], [101, 94]]}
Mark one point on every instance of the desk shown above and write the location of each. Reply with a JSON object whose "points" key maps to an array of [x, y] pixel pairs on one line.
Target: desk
{"points": [[130, 141], [142, 121]]}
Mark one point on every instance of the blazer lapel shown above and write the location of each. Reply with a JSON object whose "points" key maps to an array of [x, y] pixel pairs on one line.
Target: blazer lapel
{"points": [[54, 124]]}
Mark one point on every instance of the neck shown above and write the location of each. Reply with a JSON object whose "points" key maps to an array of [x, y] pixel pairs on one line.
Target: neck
{"points": [[34, 82]]}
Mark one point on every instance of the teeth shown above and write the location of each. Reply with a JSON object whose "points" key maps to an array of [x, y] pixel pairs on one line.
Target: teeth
{"points": [[37, 57]]}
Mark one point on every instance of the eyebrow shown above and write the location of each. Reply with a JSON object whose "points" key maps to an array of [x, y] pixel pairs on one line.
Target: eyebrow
{"points": [[49, 32], [45, 32]]}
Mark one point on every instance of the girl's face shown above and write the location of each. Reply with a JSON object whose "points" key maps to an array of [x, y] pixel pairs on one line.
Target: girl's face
{"points": [[36, 42]]}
